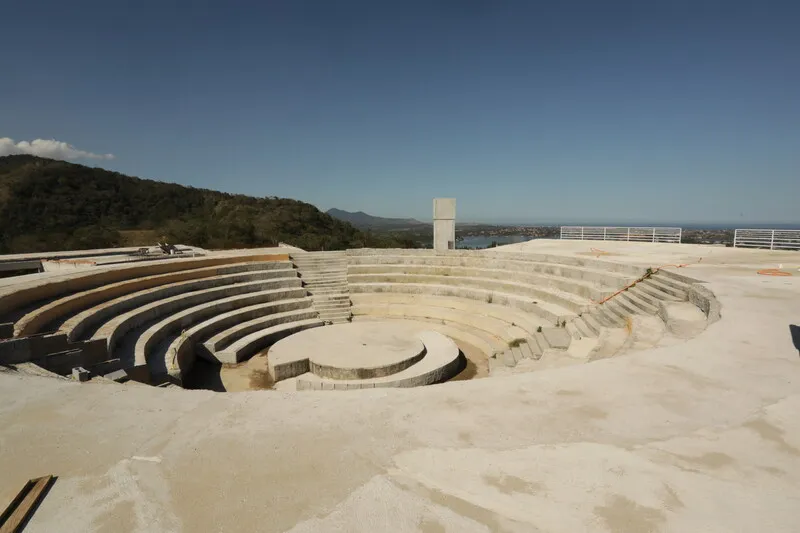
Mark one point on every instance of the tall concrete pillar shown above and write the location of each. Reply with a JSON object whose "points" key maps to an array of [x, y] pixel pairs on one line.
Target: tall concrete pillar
{"points": [[444, 224]]}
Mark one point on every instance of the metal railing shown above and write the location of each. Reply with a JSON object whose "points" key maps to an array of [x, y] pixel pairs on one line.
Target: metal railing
{"points": [[773, 239], [616, 233]]}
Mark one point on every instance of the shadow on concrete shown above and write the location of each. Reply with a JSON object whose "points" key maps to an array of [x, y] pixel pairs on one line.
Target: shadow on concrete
{"points": [[466, 369], [794, 331], [204, 375]]}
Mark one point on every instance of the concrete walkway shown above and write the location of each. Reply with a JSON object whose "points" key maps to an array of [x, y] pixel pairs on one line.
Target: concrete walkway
{"points": [[698, 436]]}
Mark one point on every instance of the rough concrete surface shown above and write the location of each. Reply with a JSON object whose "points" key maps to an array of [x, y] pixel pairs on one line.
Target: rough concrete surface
{"points": [[701, 435]]}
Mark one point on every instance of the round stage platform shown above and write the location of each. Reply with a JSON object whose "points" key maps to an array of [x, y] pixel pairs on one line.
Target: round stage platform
{"points": [[364, 355]]}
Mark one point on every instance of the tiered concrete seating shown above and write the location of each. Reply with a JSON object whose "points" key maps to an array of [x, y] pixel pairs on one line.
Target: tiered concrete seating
{"points": [[560, 303], [265, 332], [180, 351], [467, 290], [152, 345], [552, 291], [16, 301], [324, 275], [60, 309], [84, 324], [117, 327], [496, 324]]}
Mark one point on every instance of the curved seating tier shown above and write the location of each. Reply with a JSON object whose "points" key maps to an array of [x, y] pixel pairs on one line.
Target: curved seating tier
{"points": [[151, 348], [557, 302], [117, 327], [495, 325], [87, 322], [582, 289], [549, 312], [181, 351], [263, 336], [607, 267], [41, 291], [62, 308], [595, 277]]}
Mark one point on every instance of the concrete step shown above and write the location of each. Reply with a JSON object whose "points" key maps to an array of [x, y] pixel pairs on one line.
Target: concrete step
{"points": [[557, 338], [611, 312], [603, 318], [593, 325], [645, 296], [332, 276], [648, 287], [319, 262], [670, 278], [246, 346], [321, 253], [644, 305], [322, 282], [538, 345], [328, 313], [527, 352], [230, 335], [331, 304], [626, 305], [326, 291], [679, 293], [573, 331], [325, 285], [330, 297], [584, 329], [496, 364], [516, 352]]}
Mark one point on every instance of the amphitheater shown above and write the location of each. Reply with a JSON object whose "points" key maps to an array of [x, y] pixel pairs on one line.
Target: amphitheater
{"points": [[543, 386]]}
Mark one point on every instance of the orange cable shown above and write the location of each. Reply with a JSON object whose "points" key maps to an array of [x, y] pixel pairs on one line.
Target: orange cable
{"points": [[773, 272]]}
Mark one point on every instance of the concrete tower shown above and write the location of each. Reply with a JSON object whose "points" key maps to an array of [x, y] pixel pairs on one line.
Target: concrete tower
{"points": [[444, 224]]}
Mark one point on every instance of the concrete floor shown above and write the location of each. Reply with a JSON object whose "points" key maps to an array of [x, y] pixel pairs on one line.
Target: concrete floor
{"points": [[702, 435]]}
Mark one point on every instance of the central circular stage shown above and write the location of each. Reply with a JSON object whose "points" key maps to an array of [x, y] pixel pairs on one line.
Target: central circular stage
{"points": [[364, 355], [354, 351]]}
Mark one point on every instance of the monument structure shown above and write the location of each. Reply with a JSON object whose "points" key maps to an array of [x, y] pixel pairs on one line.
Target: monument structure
{"points": [[444, 224]]}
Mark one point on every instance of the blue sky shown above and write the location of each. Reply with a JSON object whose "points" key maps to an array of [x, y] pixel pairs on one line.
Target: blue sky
{"points": [[605, 112]]}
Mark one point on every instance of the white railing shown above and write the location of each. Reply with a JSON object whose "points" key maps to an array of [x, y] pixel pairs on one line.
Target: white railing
{"points": [[609, 233], [774, 239]]}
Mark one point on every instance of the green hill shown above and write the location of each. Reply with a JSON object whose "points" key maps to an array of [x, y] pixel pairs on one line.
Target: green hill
{"points": [[50, 205]]}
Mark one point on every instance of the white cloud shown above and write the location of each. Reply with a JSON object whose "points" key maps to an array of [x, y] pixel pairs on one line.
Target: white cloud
{"points": [[47, 148]]}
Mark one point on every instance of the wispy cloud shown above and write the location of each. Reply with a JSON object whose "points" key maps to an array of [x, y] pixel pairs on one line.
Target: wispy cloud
{"points": [[47, 148]]}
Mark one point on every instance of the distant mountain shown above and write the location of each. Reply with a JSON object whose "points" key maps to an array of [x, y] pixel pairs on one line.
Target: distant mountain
{"points": [[362, 220], [48, 205]]}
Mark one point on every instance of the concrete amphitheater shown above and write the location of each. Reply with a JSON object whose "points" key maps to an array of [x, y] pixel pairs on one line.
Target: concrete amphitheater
{"points": [[543, 386]]}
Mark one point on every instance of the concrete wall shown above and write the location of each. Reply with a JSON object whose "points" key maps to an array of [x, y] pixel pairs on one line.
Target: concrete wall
{"points": [[444, 235], [444, 223]]}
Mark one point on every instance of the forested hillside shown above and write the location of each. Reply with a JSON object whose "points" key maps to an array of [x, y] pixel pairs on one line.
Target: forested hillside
{"points": [[53, 205]]}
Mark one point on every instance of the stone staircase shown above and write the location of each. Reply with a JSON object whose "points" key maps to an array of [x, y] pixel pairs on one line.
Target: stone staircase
{"points": [[644, 297], [532, 347], [324, 276]]}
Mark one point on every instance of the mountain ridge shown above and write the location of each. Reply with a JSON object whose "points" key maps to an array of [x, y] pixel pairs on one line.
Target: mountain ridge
{"points": [[51, 205], [363, 221]]}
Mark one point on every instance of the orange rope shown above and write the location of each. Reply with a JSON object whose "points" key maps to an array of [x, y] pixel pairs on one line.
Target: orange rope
{"points": [[773, 272]]}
